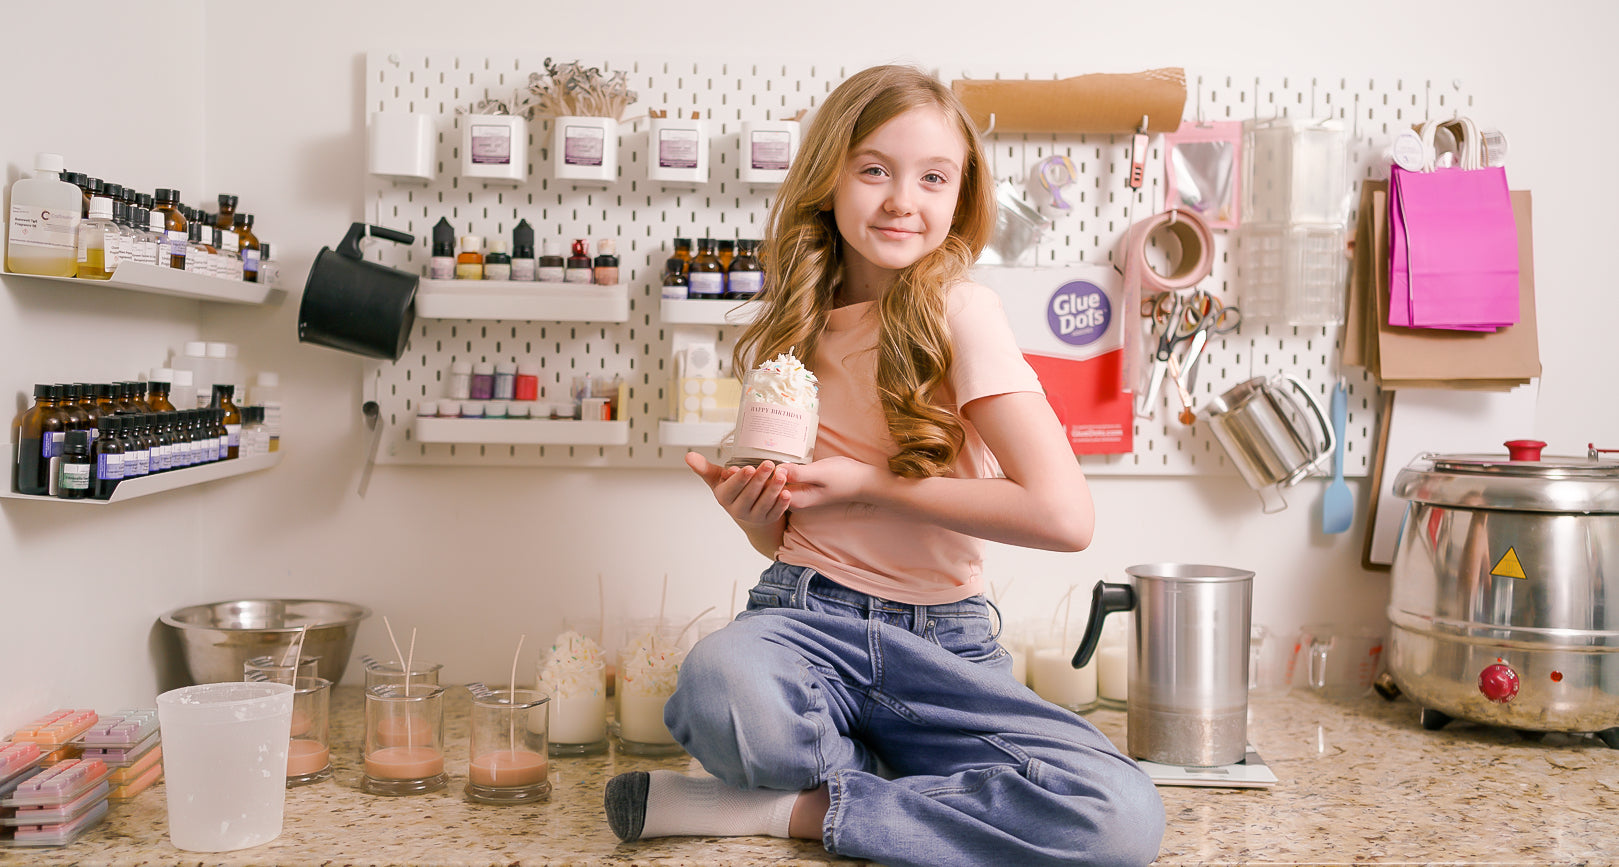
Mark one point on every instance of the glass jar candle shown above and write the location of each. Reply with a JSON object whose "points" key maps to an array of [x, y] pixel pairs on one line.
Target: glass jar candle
{"points": [[309, 754], [778, 416], [276, 669], [404, 740], [508, 756], [573, 673]]}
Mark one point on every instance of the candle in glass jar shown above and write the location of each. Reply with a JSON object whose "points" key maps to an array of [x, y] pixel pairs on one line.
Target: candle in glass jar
{"points": [[305, 756], [1112, 672], [640, 719], [404, 763], [301, 722], [508, 768]]}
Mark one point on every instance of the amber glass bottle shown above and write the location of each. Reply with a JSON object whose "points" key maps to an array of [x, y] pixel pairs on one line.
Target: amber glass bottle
{"points": [[249, 244], [33, 442], [746, 275], [174, 226], [706, 276], [231, 418]]}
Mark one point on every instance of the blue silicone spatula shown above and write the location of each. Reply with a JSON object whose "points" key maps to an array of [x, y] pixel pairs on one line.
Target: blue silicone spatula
{"points": [[1338, 505]]}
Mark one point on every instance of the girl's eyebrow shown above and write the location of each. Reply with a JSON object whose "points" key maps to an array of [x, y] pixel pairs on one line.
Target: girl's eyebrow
{"points": [[873, 152]]}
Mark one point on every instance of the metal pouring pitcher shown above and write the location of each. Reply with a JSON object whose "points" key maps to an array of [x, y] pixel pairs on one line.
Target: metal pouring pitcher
{"points": [[1188, 663], [1264, 431]]}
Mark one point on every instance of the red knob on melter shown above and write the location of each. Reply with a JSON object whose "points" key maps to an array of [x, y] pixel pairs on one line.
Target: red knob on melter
{"points": [[1524, 450], [1498, 682]]}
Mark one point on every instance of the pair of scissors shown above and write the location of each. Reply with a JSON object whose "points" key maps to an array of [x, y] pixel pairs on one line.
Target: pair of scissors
{"points": [[1168, 312], [1207, 316]]}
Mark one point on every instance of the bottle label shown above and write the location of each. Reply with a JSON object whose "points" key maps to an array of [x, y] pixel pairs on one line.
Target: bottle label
{"points": [[137, 463], [233, 435], [441, 268], [770, 150], [523, 270], [221, 447], [74, 477], [491, 144], [230, 242], [51, 444], [43, 228], [578, 275], [497, 272], [109, 467], [706, 284], [677, 148], [250, 261], [746, 282], [472, 271], [177, 243], [583, 145], [606, 275], [551, 274]]}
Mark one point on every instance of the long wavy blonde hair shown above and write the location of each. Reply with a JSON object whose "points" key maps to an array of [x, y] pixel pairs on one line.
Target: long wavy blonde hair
{"points": [[804, 262]]}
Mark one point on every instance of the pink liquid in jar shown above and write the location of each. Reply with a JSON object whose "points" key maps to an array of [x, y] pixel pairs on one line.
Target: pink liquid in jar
{"points": [[404, 763], [305, 756], [508, 768]]}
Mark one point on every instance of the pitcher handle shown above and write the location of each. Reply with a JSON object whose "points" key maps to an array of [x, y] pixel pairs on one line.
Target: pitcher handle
{"points": [[1105, 598], [350, 245], [1320, 417]]}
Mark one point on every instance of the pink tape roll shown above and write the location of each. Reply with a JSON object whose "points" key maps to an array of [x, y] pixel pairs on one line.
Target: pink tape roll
{"points": [[1196, 260]]}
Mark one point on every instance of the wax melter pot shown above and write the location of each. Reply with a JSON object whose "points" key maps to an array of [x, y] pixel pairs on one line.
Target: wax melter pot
{"points": [[355, 305], [1505, 602]]}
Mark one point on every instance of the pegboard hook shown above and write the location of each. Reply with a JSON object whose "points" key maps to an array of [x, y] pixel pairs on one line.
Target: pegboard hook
{"points": [[991, 129]]}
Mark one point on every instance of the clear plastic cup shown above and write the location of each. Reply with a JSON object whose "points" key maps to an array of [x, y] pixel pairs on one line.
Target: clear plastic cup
{"points": [[225, 763]]}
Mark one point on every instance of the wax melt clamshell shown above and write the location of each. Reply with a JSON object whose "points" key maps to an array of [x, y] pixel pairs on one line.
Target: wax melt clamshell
{"points": [[58, 784], [57, 835], [120, 730], [16, 758], [128, 790], [132, 768], [56, 728], [122, 757], [59, 813]]}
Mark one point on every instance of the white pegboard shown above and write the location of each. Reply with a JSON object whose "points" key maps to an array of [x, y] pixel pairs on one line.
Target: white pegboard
{"points": [[644, 217]]}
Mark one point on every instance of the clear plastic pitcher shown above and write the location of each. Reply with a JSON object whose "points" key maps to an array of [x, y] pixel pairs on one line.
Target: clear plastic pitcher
{"points": [[225, 763]]}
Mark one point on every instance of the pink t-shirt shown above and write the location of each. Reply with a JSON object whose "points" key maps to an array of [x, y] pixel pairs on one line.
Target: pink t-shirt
{"points": [[886, 555]]}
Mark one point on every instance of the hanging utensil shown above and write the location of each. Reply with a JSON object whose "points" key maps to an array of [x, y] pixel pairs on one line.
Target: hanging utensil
{"points": [[1338, 503]]}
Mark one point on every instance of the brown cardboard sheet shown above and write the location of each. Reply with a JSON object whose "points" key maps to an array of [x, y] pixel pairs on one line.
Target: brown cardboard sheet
{"points": [[1096, 103]]}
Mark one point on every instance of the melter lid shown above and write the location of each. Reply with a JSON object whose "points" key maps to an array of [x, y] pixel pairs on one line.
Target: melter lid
{"points": [[1582, 485]]}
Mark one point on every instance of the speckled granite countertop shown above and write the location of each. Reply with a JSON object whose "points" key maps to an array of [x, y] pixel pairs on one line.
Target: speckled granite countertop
{"points": [[1359, 783]]}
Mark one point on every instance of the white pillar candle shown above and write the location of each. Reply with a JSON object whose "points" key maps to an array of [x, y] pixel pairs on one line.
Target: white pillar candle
{"points": [[1054, 678]]}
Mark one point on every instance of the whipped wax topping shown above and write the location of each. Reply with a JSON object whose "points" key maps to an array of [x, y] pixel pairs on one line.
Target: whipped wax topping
{"points": [[574, 667], [650, 667], [784, 381]]}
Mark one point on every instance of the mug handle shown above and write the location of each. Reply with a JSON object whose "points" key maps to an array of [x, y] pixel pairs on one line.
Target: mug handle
{"points": [[350, 245], [1320, 417], [1318, 664]]}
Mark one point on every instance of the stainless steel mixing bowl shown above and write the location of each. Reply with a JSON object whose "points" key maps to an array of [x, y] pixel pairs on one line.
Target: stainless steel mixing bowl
{"points": [[218, 637]]}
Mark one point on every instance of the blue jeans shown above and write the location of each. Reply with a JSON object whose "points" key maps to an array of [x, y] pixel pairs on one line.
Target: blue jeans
{"points": [[931, 752]]}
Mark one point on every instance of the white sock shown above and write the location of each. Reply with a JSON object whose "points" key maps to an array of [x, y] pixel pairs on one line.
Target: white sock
{"points": [[678, 805]]}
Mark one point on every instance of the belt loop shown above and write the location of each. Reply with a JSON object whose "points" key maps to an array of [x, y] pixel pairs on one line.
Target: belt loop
{"points": [[801, 592], [919, 619]]}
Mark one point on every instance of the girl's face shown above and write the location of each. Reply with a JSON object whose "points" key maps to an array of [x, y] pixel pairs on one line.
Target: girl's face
{"points": [[897, 196]]}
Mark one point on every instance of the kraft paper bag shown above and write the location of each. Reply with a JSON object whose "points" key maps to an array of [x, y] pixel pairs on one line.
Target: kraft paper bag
{"points": [[1445, 358]]}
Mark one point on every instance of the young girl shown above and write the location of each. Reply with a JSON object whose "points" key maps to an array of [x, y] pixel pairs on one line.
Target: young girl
{"points": [[862, 699]]}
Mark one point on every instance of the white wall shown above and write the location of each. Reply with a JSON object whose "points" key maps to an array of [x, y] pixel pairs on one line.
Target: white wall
{"points": [[474, 557]]}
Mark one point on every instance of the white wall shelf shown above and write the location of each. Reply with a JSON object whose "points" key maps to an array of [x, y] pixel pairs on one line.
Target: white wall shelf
{"points": [[156, 280], [496, 431], [692, 434], [145, 486], [522, 301], [702, 311]]}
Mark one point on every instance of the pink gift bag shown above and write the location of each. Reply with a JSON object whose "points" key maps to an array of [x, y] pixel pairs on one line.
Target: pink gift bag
{"points": [[1453, 251]]}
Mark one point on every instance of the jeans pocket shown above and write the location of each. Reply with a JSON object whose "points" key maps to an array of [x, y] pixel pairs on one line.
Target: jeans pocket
{"points": [[969, 636]]}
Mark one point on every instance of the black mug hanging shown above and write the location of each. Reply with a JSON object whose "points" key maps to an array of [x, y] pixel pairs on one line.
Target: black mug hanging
{"points": [[355, 305]]}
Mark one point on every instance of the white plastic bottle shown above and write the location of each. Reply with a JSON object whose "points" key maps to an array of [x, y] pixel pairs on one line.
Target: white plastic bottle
{"points": [[97, 251], [267, 393], [193, 359], [44, 222]]}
